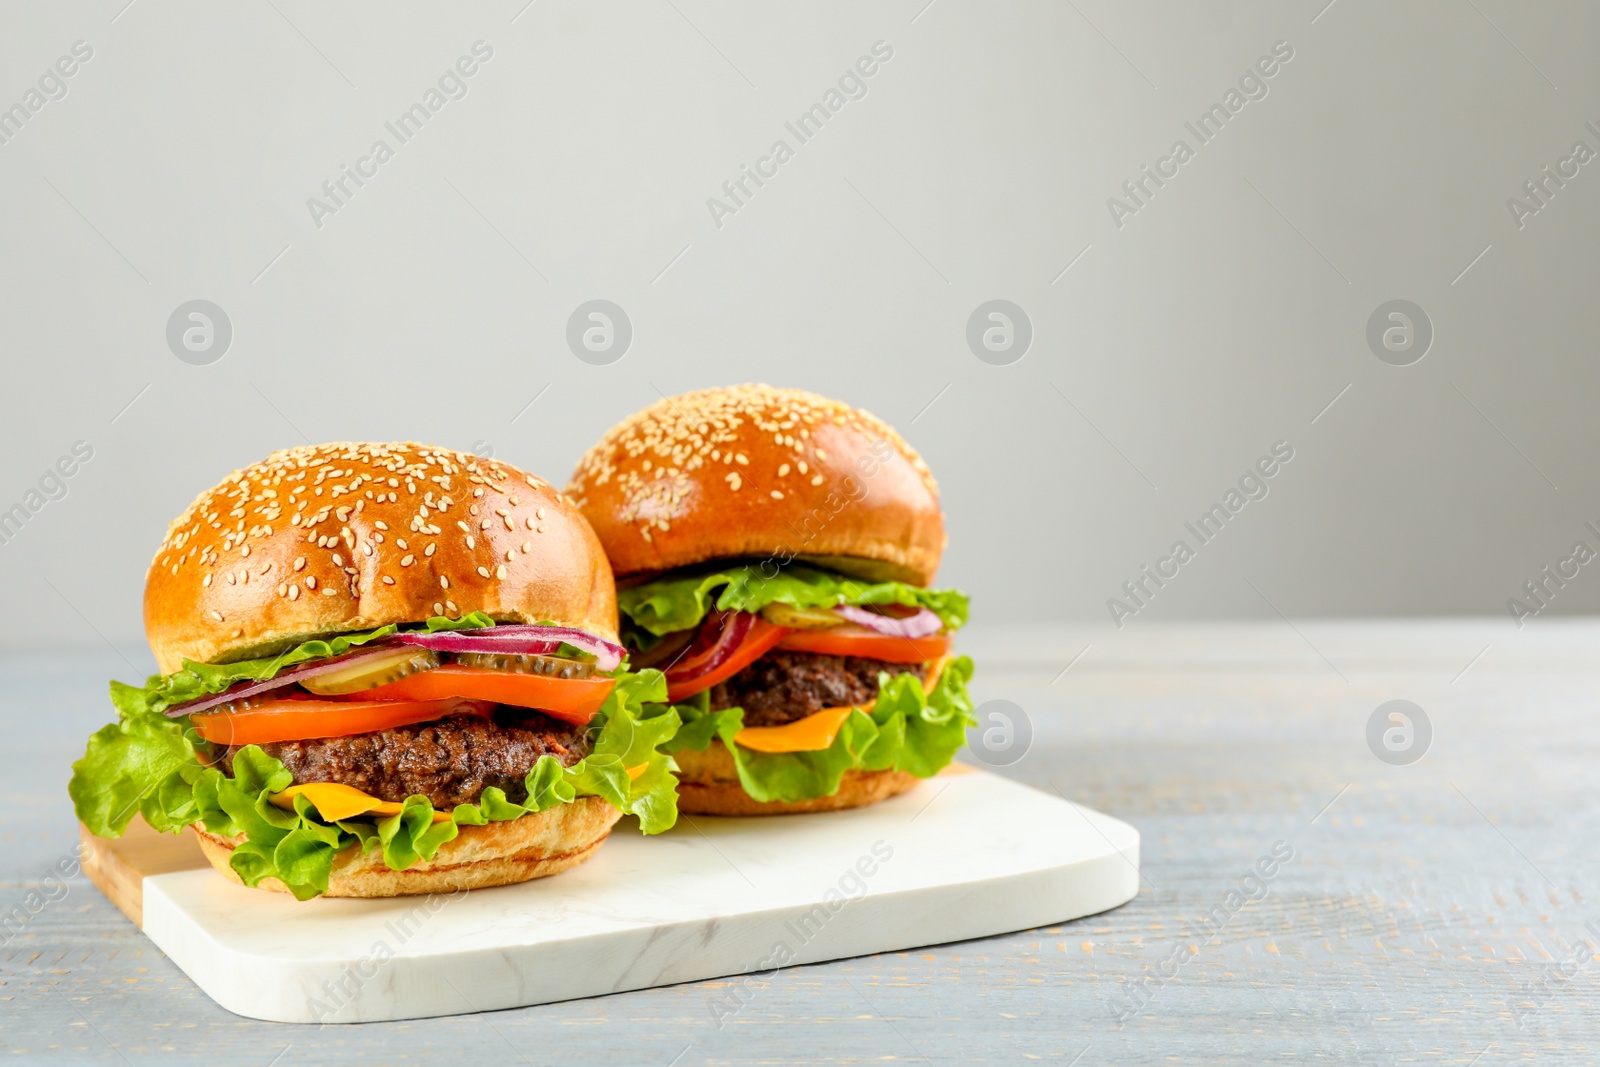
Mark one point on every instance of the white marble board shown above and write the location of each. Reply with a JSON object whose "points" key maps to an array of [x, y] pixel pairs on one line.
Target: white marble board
{"points": [[963, 855]]}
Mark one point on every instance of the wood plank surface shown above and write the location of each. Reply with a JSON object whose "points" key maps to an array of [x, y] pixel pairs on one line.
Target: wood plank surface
{"points": [[1433, 913], [118, 866]]}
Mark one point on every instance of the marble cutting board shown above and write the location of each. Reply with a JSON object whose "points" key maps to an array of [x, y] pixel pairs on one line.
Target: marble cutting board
{"points": [[967, 854]]}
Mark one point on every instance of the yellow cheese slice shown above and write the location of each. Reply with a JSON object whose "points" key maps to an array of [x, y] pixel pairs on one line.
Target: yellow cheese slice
{"points": [[334, 801], [815, 732]]}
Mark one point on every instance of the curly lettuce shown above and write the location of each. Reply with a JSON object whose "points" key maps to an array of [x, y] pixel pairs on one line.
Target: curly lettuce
{"points": [[678, 602], [149, 765], [906, 729]]}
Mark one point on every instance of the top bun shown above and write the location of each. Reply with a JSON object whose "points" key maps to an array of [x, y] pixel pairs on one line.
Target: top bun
{"points": [[751, 470], [333, 538]]}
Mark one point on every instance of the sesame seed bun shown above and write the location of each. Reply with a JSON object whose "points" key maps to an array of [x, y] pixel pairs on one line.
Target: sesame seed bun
{"points": [[708, 784], [752, 470], [497, 853], [344, 537]]}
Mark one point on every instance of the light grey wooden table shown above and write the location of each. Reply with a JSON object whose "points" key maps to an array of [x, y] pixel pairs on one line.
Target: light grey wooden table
{"points": [[1433, 912]]}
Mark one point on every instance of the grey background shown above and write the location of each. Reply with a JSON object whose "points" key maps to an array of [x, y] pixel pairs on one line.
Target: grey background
{"points": [[1223, 317]]}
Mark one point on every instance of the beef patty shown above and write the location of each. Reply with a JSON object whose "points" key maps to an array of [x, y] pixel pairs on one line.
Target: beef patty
{"points": [[784, 686], [450, 761]]}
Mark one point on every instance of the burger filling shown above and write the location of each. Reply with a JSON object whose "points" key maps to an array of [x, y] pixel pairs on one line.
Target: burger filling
{"points": [[783, 687], [450, 761], [804, 673], [388, 739]]}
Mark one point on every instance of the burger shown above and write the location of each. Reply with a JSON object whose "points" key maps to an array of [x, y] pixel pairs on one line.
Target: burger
{"points": [[774, 551], [385, 669]]}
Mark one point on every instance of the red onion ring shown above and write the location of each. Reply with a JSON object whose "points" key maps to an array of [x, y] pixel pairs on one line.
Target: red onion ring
{"points": [[284, 678], [920, 623], [517, 640], [732, 628], [511, 639]]}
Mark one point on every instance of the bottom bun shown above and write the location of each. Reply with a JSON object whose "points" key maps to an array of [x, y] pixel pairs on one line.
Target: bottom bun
{"points": [[498, 853], [708, 784]]}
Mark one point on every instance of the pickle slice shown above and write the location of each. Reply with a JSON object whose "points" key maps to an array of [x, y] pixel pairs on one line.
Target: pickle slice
{"points": [[801, 618], [373, 672], [551, 666]]}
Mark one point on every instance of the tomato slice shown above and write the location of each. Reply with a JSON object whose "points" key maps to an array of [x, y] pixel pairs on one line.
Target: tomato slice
{"points": [[301, 720], [573, 700], [851, 640], [688, 679]]}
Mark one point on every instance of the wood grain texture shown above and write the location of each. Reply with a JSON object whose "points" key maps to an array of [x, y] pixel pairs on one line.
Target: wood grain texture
{"points": [[119, 866], [1424, 918]]}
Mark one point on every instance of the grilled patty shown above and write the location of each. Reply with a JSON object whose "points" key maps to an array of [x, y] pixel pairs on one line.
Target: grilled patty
{"points": [[784, 686], [450, 761]]}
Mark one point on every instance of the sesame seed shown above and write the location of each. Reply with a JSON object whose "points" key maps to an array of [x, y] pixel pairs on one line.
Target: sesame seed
{"points": [[539, 512], [444, 583], [283, 590], [783, 471], [740, 459], [817, 480], [245, 551], [401, 544], [483, 572], [206, 581], [407, 560], [217, 615], [438, 608], [464, 527], [299, 563], [387, 580], [500, 571], [338, 560], [777, 495], [450, 605], [329, 590], [733, 480], [294, 592], [527, 546], [530, 522], [429, 550], [366, 547], [311, 581], [509, 524], [471, 543]]}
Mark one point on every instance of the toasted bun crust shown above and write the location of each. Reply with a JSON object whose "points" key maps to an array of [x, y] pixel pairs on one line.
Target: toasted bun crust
{"points": [[338, 537], [708, 784], [498, 853], [752, 470]]}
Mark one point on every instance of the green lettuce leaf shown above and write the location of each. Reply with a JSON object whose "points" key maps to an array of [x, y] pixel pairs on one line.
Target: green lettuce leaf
{"points": [[148, 764], [198, 680], [905, 729], [667, 605]]}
